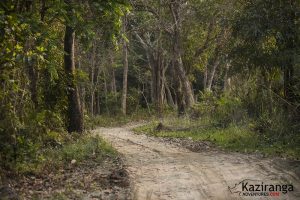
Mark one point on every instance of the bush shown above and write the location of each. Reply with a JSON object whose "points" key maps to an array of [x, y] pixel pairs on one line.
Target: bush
{"points": [[223, 110], [229, 110], [79, 148], [85, 148], [113, 103], [21, 139], [206, 107]]}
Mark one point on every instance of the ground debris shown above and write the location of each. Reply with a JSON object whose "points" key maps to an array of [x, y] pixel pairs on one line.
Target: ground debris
{"points": [[194, 146], [8, 193], [88, 181], [161, 127]]}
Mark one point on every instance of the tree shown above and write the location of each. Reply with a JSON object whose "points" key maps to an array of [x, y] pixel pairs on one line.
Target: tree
{"points": [[125, 65], [267, 38], [75, 118], [175, 7]]}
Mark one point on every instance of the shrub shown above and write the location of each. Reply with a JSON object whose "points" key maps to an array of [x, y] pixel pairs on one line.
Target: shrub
{"points": [[229, 110], [223, 110], [206, 107]]}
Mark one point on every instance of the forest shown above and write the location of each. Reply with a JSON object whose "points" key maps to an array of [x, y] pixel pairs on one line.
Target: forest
{"points": [[222, 71]]}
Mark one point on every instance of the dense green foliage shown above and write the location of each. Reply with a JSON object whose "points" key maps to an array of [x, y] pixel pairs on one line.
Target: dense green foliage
{"points": [[234, 62], [33, 92]]}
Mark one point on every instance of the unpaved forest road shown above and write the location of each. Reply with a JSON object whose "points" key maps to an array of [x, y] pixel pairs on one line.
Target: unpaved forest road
{"points": [[165, 171]]}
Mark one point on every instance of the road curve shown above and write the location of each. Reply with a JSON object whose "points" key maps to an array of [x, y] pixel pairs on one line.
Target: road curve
{"points": [[161, 171]]}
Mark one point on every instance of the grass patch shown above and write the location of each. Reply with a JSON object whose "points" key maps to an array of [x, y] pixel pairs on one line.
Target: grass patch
{"points": [[79, 148], [238, 138], [80, 166], [106, 120], [116, 120]]}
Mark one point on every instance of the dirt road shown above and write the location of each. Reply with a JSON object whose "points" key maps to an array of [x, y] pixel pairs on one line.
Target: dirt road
{"points": [[165, 171]]}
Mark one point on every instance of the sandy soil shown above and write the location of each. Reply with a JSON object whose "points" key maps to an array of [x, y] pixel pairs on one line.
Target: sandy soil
{"points": [[160, 170]]}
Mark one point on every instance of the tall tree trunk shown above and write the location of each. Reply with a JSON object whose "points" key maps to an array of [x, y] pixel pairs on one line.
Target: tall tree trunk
{"points": [[159, 85], [113, 81], [178, 89], [113, 86], [153, 65], [212, 74], [187, 89], [98, 103], [290, 34], [92, 77], [97, 87], [154, 83], [125, 72], [205, 77], [81, 89], [82, 99], [159, 71], [226, 84], [30, 64], [75, 118], [215, 61], [105, 94], [169, 95]]}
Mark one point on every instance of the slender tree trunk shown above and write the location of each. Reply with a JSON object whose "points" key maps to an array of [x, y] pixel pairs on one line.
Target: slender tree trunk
{"points": [[159, 70], [169, 96], [98, 103], [205, 78], [291, 36], [92, 102], [92, 77], [113, 76], [226, 83], [154, 69], [125, 72], [105, 95], [153, 63], [270, 98], [215, 62], [75, 118], [43, 10], [143, 93], [82, 92], [113, 83], [30, 64], [33, 78], [97, 87], [159, 85], [178, 88], [212, 74]]}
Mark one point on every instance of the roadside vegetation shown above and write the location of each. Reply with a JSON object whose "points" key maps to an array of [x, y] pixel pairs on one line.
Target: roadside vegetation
{"points": [[60, 170], [72, 150], [118, 119], [239, 138], [224, 122]]}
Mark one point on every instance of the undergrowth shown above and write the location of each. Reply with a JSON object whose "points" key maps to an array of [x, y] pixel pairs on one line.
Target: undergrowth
{"points": [[77, 149], [233, 137], [118, 119]]}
